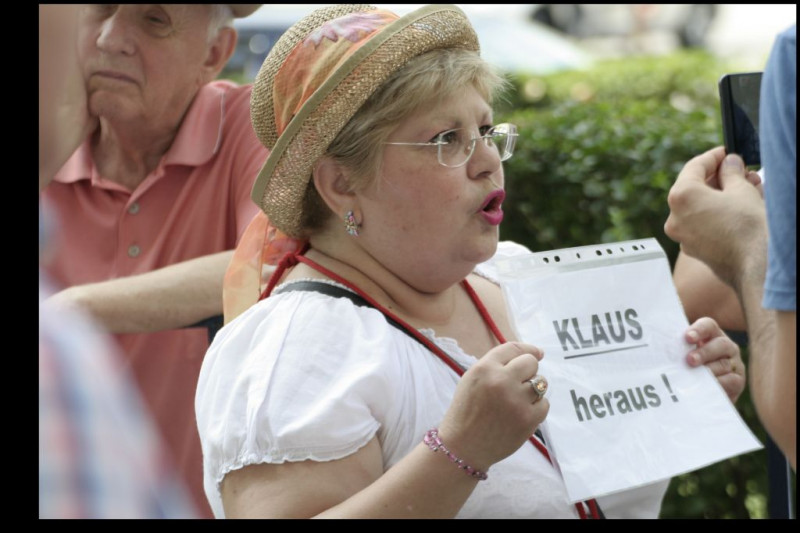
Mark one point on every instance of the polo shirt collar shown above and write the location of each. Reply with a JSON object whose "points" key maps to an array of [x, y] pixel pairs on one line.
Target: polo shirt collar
{"points": [[79, 166], [200, 135], [198, 139]]}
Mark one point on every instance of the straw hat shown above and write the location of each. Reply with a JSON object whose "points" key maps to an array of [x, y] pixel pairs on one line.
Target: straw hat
{"points": [[318, 75]]}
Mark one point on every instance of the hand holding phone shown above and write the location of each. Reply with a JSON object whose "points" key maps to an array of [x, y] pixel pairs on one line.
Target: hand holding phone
{"points": [[739, 96]]}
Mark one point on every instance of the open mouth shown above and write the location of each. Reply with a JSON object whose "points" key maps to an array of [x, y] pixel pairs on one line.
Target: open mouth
{"points": [[493, 201], [493, 205], [492, 209]]}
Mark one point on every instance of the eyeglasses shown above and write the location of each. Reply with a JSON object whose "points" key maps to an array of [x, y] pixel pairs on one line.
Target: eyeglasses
{"points": [[455, 147]]}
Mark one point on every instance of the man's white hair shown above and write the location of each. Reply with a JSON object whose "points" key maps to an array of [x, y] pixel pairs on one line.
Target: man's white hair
{"points": [[220, 17]]}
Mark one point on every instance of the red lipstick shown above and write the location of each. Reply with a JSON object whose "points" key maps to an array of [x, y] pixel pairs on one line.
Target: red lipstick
{"points": [[492, 207]]}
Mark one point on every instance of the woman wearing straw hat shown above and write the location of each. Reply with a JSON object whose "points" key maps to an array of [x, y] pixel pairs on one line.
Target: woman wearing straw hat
{"points": [[376, 379]]}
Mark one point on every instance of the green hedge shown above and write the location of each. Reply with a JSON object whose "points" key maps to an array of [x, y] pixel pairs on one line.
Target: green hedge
{"points": [[599, 150], [597, 153]]}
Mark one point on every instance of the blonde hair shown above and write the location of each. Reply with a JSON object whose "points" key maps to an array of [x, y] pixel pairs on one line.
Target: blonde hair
{"points": [[425, 81]]}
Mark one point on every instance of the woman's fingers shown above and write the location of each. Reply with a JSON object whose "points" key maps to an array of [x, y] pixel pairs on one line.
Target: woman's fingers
{"points": [[523, 366], [712, 351], [733, 384], [703, 330], [507, 352], [719, 353]]}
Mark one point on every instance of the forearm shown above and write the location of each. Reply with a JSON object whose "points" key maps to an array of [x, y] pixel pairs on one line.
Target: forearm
{"points": [[772, 378], [774, 381], [168, 298], [761, 335], [784, 427], [52, 158], [702, 293], [423, 485]]}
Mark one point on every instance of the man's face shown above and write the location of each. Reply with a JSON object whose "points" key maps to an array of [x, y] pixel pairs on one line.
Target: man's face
{"points": [[143, 62]]}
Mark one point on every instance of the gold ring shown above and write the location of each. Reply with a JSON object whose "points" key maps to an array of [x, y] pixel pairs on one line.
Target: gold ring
{"points": [[539, 386]]}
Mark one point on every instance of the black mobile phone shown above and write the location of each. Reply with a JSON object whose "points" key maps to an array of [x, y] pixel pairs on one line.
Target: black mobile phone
{"points": [[739, 98]]}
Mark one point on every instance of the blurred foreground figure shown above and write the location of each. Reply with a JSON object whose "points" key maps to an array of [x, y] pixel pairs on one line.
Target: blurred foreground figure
{"points": [[153, 197], [99, 454]]}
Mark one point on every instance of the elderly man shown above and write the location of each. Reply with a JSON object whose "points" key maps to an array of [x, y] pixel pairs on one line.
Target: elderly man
{"points": [[157, 195]]}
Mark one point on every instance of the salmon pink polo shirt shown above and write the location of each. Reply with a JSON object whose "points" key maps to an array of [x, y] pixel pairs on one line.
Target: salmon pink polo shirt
{"points": [[195, 203]]}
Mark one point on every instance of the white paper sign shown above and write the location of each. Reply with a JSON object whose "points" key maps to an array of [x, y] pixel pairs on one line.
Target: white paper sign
{"points": [[625, 408]]}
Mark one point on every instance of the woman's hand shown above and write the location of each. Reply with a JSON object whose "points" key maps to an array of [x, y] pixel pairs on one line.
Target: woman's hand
{"points": [[495, 409], [719, 353]]}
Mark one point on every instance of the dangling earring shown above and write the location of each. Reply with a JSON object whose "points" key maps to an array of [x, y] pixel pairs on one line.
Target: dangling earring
{"points": [[350, 224]]}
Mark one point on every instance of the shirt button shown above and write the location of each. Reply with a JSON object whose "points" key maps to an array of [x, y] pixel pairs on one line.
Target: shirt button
{"points": [[134, 250], [134, 208]]}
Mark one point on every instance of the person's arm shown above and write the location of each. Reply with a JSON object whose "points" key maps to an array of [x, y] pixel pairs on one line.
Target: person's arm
{"points": [[772, 362], [773, 357], [780, 412], [172, 297], [774, 380], [492, 413], [726, 228], [702, 293], [422, 484], [64, 119]]}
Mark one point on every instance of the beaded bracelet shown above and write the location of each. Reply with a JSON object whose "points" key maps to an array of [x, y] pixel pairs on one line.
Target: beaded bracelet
{"points": [[435, 443]]}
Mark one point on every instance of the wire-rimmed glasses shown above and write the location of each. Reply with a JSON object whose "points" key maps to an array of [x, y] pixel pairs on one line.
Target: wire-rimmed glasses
{"points": [[456, 146]]}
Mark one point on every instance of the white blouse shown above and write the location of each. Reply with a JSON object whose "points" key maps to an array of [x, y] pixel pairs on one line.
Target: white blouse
{"points": [[302, 375]]}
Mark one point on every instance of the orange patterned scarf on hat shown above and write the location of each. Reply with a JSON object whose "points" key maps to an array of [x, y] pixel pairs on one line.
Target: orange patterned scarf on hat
{"points": [[261, 244]]}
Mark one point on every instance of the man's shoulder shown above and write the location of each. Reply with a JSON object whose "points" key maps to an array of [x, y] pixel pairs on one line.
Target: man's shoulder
{"points": [[789, 36], [785, 52]]}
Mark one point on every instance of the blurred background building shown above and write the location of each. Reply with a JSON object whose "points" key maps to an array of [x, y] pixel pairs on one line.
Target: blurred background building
{"points": [[544, 38]]}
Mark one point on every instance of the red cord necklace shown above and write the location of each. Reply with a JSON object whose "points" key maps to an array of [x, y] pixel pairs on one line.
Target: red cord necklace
{"points": [[291, 259]]}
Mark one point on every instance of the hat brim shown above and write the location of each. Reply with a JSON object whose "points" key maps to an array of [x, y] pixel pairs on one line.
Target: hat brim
{"points": [[281, 184], [243, 10]]}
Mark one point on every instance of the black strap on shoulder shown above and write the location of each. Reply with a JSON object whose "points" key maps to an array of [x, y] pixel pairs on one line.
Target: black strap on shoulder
{"points": [[324, 288], [338, 292]]}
